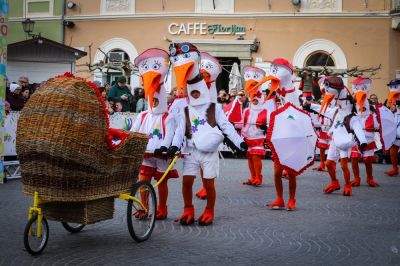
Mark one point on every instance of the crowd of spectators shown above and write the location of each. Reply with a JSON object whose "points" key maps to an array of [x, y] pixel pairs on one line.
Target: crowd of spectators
{"points": [[17, 94], [119, 97]]}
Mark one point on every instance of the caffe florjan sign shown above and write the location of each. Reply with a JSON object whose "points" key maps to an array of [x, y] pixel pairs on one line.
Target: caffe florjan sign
{"points": [[204, 28]]}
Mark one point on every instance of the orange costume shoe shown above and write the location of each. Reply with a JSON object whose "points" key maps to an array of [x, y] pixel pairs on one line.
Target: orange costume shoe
{"points": [[202, 194], [333, 186], [258, 181], [187, 217], [348, 190], [356, 182], [207, 217], [291, 206], [250, 181], [278, 204], [371, 182], [392, 172], [162, 212]]}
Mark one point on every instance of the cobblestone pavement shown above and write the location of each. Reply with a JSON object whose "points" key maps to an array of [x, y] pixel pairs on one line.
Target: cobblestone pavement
{"points": [[324, 230]]}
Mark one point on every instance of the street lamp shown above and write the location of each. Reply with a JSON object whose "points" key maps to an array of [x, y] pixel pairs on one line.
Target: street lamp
{"points": [[28, 26]]}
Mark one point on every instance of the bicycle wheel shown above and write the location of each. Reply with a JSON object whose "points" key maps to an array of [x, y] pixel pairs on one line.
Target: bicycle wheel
{"points": [[35, 244], [72, 228], [141, 221]]}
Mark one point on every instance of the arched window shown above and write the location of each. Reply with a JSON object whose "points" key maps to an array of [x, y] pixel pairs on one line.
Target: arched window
{"points": [[319, 58]]}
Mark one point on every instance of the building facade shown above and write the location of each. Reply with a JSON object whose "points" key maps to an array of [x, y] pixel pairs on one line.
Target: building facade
{"points": [[337, 33], [47, 15]]}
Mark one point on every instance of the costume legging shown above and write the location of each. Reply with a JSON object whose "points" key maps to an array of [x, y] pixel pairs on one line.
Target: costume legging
{"points": [[255, 164]]}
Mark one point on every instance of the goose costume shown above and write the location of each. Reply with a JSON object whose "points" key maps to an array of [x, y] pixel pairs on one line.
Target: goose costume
{"points": [[254, 124], [204, 123], [393, 97], [210, 69], [282, 83], [370, 125], [346, 127], [157, 122]]}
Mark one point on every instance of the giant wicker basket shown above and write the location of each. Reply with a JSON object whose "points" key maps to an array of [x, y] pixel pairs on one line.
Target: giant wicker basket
{"points": [[67, 151]]}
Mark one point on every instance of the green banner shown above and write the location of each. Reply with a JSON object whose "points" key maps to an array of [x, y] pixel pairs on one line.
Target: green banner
{"points": [[3, 80]]}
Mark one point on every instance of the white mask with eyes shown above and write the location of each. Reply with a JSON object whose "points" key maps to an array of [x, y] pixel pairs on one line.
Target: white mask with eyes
{"points": [[153, 71], [210, 69], [252, 77], [284, 74], [186, 67]]}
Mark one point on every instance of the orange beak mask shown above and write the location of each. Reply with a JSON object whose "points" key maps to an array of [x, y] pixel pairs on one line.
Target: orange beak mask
{"points": [[392, 98], [151, 84], [182, 74]]}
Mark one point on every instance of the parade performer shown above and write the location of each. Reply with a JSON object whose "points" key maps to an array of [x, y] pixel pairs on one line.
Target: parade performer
{"points": [[203, 134], [254, 124], [210, 69], [370, 125], [392, 100], [323, 137], [153, 65], [234, 111], [282, 74], [345, 127]]}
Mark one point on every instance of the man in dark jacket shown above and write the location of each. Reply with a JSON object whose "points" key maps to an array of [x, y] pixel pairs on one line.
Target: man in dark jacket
{"points": [[120, 92]]}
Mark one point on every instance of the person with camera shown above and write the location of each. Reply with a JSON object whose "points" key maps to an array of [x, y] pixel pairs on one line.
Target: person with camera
{"points": [[121, 92]]}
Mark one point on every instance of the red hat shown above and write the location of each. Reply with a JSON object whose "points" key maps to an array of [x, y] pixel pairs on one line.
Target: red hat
{"points": [[283, 62], [149, 53], [361, 81]]}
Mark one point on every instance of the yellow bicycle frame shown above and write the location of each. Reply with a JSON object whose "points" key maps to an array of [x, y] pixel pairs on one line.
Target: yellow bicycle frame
{"points": [[32, 211]]}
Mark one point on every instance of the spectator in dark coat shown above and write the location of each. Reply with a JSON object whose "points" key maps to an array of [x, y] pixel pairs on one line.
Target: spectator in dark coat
{"points": [[120, 92]]}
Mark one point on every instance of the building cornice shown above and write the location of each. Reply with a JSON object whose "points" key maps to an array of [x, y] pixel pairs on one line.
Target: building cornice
{"points": [[235, 15], [19, 19], [380, 14]]}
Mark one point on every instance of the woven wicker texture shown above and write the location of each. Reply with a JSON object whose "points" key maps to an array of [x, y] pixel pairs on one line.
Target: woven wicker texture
{"points": [[84, 212], [62, 148]]}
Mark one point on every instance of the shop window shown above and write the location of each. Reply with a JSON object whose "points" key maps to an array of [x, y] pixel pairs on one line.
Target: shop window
{"points": [[320, 59], [321, 6], [111, 7], [215, 6], [39, 8]]}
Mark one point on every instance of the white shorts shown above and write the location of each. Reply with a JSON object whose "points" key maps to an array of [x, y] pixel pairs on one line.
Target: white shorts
{"points": [[334, 153], [160, 164], [207, 161]]}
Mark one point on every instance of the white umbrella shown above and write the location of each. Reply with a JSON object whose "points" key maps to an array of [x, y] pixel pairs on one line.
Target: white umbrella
{"points": [[388, 127], [235, 79], [292, 138]]}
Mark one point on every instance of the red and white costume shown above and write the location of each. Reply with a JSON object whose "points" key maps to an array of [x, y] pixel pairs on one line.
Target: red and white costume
{"points": [[394, 95], [202, 120], [346, 126], [210, 69], [157, 122], [370, 125], [282, 82], [254, 124]]}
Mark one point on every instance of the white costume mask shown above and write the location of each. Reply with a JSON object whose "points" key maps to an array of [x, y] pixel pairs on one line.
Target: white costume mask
{"points": [[394, 92], [185, 59], [333, 89], [361, 87], [210, 69], [253, 78], [282, 70], [153, 65], [285, 76]]}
